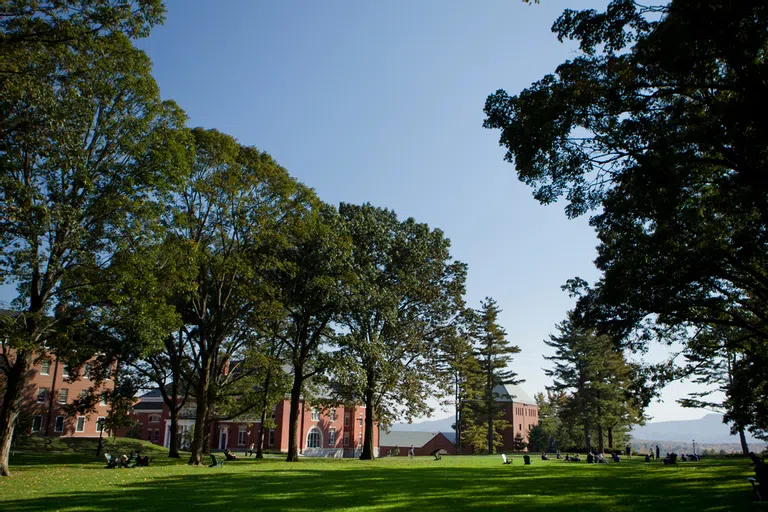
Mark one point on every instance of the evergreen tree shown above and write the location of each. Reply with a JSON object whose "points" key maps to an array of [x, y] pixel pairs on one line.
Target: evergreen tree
{"points": [[494, 355], [597, 380]]}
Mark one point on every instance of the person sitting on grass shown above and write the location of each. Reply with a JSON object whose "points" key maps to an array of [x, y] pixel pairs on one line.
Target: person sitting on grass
{"points": [[558, 455], [576, 458], [616, 457], [647, 458], [229, 455], [567, 458], [544, 456], [590, 458]]}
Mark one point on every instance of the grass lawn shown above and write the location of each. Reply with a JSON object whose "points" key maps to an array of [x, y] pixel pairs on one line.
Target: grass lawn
{"points": [[69, 478]]}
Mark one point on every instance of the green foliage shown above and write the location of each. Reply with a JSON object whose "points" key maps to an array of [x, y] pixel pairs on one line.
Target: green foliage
{"points": [[494, 355], [597, 381], [406, 292], [518, 443], [654, 127], [538, 440]]}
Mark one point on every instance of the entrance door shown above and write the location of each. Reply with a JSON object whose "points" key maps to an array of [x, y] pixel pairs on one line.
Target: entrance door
{"points": [[223, 439]]}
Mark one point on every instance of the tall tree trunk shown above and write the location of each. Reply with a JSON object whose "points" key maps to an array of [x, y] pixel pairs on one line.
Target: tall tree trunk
{"points": [[369, 418], [743, 440], [264, 406], [610, 438], [14, 384], [600, 441], [173, 439], [201, 410], [489, 406], [49, 413], [293, 417], [456, 413]]}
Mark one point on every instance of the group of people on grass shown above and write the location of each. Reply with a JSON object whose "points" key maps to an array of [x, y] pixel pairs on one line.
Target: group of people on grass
{"points": [[124, 461]]}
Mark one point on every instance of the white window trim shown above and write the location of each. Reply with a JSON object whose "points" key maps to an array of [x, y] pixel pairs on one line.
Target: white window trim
{"points": [[319, 433], [39, 426], [315, 414], [56, 424], [331, 436], [66, 396], [45, 395], [99, 423], [43, 371], [77, 424]]}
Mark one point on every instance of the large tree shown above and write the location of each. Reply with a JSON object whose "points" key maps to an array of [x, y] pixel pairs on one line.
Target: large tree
{"points": [[231, 212], [658, 124], [311, 284], [87, 148], [494, 355], [598, 381], [406, 292]]}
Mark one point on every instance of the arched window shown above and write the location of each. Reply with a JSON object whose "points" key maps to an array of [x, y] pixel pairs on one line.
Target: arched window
{"points": [[314, 438]]}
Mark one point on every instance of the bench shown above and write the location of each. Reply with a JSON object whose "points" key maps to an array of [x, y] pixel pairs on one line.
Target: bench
{"points": [[504, 458]]}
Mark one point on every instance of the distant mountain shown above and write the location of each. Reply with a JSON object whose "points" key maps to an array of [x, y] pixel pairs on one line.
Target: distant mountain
{"points": [[442, 425], [709, 429]]}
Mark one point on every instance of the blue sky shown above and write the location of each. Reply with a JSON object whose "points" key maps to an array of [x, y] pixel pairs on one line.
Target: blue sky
{"points": [[382, 102]]}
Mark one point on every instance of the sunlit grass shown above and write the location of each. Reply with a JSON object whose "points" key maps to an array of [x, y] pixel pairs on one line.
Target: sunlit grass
{"points": [[72, 480]]}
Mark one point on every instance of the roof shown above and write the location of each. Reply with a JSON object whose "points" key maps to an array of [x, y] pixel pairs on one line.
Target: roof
{"points": [[405, 438], [512, 393]]}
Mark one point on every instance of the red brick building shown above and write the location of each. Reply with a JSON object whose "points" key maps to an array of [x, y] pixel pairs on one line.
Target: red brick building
{"points": [[50, 385], [398, 443], [336, 432], [520, 411]]}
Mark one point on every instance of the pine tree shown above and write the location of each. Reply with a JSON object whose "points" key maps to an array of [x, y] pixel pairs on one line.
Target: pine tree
{"points": [[494, 354], [598, 382]]}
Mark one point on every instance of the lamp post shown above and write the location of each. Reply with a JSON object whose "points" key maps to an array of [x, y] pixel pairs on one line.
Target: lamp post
{"points": [[100, 423], [694, 447]]}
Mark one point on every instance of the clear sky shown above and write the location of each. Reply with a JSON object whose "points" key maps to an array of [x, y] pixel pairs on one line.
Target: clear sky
{"points": [[382, 102]]}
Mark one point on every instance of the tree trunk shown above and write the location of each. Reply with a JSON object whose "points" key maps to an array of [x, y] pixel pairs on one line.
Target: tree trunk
{"points": [[587, 440], [208, 441], [600, 441], [610, 438], [457, 414], [293, 417], [201, 411], [369, 419], [14, 384], [264, 406], [49, 413], [743, 439], [173, 440]]}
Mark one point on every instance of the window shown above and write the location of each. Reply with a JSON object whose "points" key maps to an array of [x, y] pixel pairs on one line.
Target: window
{"points": [[99, 423], [37, 422], [521, 426], [313, 438], [346, 438], [59, 427], [272, 437], [149, 434], [346, 419], [157, 434], [65, 371], [333, 414], [41, 394], [63, 393], [154, 418], [315, 414], [332, 437], [242, 436], [45, 367], [83, 394], [530, 427], [80, 424], [360, 422], [87, 371], [103, 399]]}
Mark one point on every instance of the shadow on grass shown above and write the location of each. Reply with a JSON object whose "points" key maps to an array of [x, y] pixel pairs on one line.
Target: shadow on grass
{"points": [[277, 486]]}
